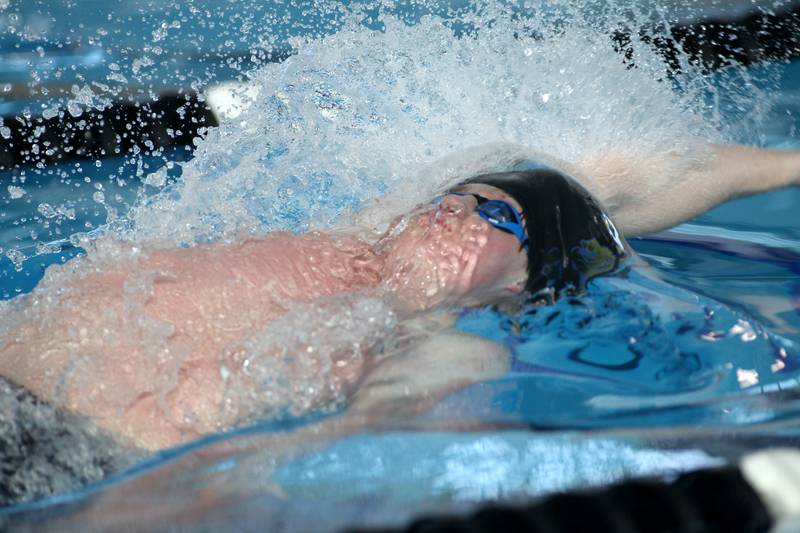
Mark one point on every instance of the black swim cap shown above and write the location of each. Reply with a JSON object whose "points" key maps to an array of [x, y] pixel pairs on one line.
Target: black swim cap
{"points": [[571, 239]]}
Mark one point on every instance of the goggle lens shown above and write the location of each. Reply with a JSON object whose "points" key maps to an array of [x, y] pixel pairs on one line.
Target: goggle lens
{"points": [[498, 213]]}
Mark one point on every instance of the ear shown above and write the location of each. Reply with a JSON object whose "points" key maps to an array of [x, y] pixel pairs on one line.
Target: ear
{"points": [[519, 286]]}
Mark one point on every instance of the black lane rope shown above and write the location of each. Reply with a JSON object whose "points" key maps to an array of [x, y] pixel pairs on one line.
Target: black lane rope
{"points": [[759, 495], [716, 42], [173, 120]]}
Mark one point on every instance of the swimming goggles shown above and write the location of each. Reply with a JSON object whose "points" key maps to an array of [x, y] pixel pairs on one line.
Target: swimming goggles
{"points": [[497, 213]]}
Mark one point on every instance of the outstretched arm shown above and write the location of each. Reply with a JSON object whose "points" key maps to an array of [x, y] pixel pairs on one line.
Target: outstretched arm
{"points": [[650, 193], [396, 389], [415, 381]]}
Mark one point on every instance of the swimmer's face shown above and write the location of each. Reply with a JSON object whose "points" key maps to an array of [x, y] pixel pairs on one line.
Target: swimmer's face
{"points": [[446, 253]]}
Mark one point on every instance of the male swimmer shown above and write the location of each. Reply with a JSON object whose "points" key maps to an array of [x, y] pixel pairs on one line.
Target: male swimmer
{"points": [[139, 346]]}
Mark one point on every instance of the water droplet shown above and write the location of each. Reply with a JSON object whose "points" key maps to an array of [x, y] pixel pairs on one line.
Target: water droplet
{"points": [[15, 192], [50, 112], [74, 109], [46, 210], [17, 258]]}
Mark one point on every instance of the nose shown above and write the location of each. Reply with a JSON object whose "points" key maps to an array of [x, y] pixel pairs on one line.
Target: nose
{"points": [[457, 205]]}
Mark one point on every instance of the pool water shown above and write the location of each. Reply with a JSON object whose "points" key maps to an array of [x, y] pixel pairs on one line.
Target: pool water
{"points": [[638, 376]]}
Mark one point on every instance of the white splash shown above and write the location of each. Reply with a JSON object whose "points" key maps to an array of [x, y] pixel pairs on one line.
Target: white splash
{"points": [[362, 113]]}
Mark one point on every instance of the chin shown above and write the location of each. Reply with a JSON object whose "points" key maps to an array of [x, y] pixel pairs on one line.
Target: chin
{"points": [[425, 281], [432, 265]]}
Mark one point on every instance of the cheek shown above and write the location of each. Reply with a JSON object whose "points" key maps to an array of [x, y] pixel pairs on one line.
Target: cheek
{"points": [[441, 258], [500, 258], [449, 239]]}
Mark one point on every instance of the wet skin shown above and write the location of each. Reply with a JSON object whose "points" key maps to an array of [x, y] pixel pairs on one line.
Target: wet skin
{"points": [[137, 344]]}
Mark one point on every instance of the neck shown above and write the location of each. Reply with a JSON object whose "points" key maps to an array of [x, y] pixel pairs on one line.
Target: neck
{"points": [[367, 266], [374, 262], [356, 265]]}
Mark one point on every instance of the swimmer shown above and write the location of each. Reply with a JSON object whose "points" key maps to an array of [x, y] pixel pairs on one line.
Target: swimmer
{"points": [[140, 346]]}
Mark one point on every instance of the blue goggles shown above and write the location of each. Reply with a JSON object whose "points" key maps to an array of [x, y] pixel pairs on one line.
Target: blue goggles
{"points": [[498, 213]]}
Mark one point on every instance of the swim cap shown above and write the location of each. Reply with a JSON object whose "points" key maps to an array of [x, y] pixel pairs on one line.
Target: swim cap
{"points": [[571, 239]]}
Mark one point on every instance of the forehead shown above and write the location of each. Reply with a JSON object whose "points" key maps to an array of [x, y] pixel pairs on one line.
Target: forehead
{"points": [[488, 191]]}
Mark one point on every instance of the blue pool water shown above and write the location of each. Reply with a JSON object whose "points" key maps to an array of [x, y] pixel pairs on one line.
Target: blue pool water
{"points": [[638, 376]]}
